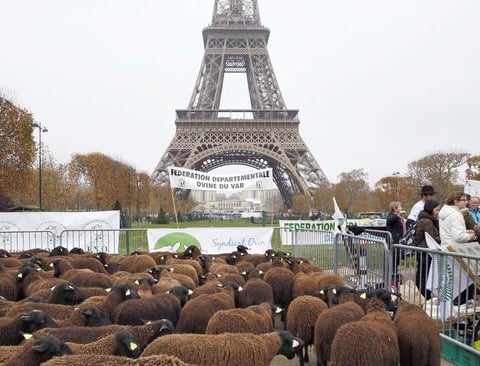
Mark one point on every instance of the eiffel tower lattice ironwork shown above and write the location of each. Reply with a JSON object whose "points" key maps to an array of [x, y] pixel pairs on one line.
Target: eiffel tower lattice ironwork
{"points": [[267, 135]]}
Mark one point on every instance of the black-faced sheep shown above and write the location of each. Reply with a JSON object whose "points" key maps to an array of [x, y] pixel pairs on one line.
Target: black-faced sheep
{"points": [[327, 325], [11, 329], [56, 311], [418, 336], [144, 334], [370, 341], [122, 343], [301, 317], [58, 251], [38, 350], [236, 349], [256, 319], [65, 294]]}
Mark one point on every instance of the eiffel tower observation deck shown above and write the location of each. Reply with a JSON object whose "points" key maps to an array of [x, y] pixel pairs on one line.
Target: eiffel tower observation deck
{"points": [[265, 136]]}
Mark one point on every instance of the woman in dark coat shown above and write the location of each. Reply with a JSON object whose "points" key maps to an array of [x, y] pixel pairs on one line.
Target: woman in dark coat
{"points": [[427, 222], [395, 223]]}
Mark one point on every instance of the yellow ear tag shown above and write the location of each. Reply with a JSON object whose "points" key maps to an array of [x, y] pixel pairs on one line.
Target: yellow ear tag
{"points": [[363, 296], [133, 346]]}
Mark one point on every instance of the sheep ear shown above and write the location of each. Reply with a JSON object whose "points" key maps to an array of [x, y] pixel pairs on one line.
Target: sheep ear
{"points": [[53, 288], [137, 282], [363, 296], [42, 347], [133, 346], [108, 289]]}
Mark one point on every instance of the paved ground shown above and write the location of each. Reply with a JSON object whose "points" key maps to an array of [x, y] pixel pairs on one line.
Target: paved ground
{"points": [[283, 361]]}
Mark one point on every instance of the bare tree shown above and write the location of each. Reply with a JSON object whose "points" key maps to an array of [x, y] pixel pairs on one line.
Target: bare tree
{"points": [[440, 170]]}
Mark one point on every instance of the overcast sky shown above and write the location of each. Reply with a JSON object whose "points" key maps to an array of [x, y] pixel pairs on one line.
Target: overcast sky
{"points": [[378, 83]]}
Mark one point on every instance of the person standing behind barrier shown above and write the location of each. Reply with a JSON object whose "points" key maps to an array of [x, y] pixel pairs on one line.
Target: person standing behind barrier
{"points": [[474, 209], [395, 222], [426, 194], [427, 223], [396, 226], [452, 223]]}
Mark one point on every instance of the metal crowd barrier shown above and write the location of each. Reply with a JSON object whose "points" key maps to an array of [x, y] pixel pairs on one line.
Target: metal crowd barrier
{"points": [[17, 241], [362, 261], [447, 286], [121, 241], [315, 245]]}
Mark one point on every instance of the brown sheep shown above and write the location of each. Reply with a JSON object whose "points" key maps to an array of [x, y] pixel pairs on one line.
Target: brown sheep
{"points": [[255, 292], [236, 349], [194, 321], [185, 269], [301, 317], [255, 259], [164, 284], [121, 343], [136, 263], [370, 341], [195, 264], [418, 336], [327, 325], [8, 288], [106, 360], [256, 319], [281, 279]]}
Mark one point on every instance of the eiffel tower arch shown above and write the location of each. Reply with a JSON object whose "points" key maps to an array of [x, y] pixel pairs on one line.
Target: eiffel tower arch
{"points": [[267, 135]]}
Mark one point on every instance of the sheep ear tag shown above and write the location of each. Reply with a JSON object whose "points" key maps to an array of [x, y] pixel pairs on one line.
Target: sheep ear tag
{"points": [[51, 265], [19, 275], [363, 296], [27, 335], [133, 346], [108, 289], [127, 293], [334, 291], [295, 343], [53, 288], [137, 282]]}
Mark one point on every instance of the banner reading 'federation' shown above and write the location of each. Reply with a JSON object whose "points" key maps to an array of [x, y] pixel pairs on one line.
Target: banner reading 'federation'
{"points": [[201, 181]]}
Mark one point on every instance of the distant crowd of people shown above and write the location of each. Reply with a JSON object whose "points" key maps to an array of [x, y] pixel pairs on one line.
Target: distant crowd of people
{"points": [[454, 222]]}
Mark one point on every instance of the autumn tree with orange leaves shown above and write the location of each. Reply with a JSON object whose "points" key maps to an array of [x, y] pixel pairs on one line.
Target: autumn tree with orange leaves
{"points": [[17, 151]]}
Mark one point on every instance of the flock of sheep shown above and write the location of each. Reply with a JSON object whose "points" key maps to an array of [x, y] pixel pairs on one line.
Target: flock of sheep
{"points": [[75, 308]]}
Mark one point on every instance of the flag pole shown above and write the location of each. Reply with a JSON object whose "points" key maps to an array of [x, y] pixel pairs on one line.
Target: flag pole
{"points": [[174, 206]]}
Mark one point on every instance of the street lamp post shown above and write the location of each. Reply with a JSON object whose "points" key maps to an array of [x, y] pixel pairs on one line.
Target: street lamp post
{"points": [[40, 130], [396, 174]]}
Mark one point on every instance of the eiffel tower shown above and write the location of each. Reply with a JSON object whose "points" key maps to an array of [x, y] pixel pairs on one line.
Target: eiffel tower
{"points": [[265, 136]]}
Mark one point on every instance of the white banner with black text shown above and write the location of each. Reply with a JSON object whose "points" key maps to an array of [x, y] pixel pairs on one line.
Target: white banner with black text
{"points": [[202, 181]]}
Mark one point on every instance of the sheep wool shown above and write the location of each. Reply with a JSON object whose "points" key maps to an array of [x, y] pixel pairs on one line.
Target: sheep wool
{"points": [[254, 319], [418, 336], [301, 317], [327, 325], [370, 341], [228, 349]]}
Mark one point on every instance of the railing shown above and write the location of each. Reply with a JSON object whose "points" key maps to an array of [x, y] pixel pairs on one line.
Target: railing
{"points": [[236, 114], [17, 241]]}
